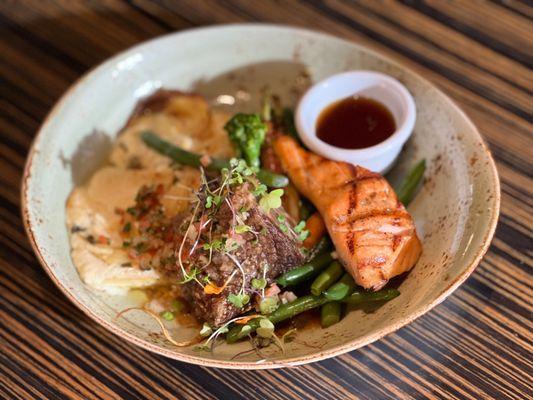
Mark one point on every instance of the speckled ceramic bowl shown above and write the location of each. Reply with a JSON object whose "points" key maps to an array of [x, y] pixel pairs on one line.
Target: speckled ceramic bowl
{"points": [[455, 212]]}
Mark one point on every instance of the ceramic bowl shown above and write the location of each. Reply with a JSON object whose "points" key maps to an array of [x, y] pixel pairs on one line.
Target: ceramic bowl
{"points": [[455, 211]]}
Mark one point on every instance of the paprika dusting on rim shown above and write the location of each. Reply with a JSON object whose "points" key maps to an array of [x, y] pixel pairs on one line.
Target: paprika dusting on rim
{"points": [[355, 123]]}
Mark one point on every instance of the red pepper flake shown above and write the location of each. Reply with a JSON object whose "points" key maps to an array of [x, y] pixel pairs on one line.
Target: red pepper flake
{"points": [[103, 240]]}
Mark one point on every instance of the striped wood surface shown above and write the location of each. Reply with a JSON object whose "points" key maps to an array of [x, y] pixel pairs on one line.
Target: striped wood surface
{"points": [[477, 344]]}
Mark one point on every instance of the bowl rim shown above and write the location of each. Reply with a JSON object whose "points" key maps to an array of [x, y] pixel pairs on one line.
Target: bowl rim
{"points": [[293, 361]]}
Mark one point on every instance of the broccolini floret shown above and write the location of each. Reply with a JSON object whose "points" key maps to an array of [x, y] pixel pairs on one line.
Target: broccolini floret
{"points": [[247, 132]]}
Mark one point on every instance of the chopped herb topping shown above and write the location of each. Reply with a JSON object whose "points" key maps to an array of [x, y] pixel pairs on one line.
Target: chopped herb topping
{"points": [[167, 315], [76, 228], [127, 227]]}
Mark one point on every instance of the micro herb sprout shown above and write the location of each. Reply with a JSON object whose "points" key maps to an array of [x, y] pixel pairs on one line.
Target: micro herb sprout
{"points": [[242, 229], [259, 284], [301, 231], [206, 330], [259, 190], [268, 305], [239, 300], [266, 328], [271, 200]]}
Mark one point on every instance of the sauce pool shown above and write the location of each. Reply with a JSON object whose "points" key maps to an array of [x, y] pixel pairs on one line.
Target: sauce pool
{"points": [[355, 123]]}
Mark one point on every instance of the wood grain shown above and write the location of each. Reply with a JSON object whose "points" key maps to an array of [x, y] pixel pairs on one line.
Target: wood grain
{"points": [[477, 344]]}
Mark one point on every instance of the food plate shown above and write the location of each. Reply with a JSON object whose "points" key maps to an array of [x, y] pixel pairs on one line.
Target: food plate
{"points": [[455, 211]]}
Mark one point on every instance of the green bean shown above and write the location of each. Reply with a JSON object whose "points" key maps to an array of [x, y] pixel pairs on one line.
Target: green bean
{"points": [[271, 179], [341, 289], [323, 245], [284, 312], [360, 296], [305, 271], [326, 278], [330, 314], [306, 209], [410, 183], [287, 119], [194, 160], [305, 303]]}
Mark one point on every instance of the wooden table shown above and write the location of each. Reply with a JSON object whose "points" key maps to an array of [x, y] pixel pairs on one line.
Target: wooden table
{"points": [[477, 344]]}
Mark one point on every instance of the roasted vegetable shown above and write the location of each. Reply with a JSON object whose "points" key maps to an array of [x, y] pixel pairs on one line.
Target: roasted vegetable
{"points": [[317, 229], [247, 132]]}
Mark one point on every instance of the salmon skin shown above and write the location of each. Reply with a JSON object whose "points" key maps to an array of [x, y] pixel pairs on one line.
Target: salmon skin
{"points": [[374, 236]]}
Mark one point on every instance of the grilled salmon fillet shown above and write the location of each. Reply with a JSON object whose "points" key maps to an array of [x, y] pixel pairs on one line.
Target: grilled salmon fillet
{"points": [[375, 237]]}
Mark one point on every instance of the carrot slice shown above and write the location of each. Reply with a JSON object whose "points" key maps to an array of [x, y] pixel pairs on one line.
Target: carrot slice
{"points": [[317, 228]]}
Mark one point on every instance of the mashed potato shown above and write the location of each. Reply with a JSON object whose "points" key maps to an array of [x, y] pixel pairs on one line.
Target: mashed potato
{"points": [[92, 218]]}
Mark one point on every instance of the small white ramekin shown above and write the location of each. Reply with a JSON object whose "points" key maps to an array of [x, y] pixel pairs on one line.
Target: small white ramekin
{"points": [[374, 85]]}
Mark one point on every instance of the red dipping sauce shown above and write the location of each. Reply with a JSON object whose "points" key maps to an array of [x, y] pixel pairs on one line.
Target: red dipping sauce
{"points": [[355, 123]]}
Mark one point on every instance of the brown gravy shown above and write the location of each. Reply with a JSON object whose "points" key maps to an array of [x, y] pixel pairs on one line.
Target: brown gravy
{"points": [[355, 123]]}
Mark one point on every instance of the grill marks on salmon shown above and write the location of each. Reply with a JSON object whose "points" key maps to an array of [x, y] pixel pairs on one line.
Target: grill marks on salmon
{"points": [[375, 237]]}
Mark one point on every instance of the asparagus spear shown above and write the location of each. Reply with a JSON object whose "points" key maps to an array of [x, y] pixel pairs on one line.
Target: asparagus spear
{"points": [[186, 157], [410, 183]]}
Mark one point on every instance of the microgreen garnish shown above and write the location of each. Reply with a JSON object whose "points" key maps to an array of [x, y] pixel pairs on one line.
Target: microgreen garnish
{"points": [[259, 284], [239, 300], [216, 244], [242, 228], [266, 328], [206, 330], [271, 200], [260, 190], [231, 245], [191, 275], [268, 305], [301, 231]]}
